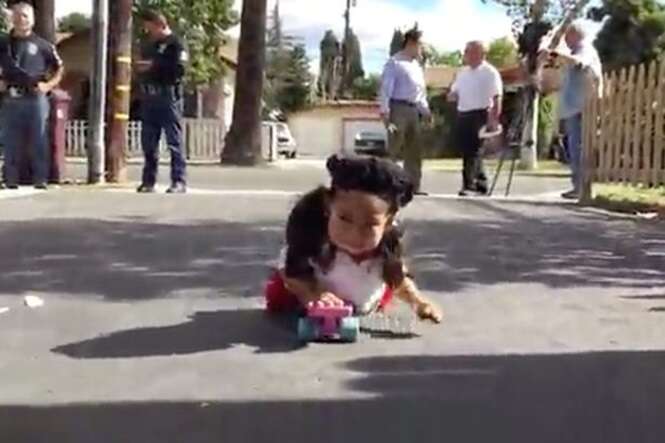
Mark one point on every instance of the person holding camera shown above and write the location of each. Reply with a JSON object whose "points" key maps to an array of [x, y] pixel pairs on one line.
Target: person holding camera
{"points": [[582, 78]]}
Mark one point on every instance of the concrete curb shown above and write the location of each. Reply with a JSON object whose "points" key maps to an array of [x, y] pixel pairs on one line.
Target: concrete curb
{"points": [[7, 194]]}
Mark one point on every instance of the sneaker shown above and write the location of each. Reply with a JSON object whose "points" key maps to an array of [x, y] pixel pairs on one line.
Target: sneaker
{"points": [[6, 186], [571, 195], [41, 186], [177, 188], [145, 189], [466, 193]]}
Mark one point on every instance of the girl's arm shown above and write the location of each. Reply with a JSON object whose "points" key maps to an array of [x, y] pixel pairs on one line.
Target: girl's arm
{"points": [[426, 309], [308, 291]]}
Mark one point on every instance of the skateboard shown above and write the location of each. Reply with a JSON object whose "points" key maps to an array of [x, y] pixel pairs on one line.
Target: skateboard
{"points": [[328, 323]]}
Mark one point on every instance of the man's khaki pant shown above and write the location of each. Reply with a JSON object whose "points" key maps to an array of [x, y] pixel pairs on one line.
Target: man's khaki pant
{"points": [[404, 141]]}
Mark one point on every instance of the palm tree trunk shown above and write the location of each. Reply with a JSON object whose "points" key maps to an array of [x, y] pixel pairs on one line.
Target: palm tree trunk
{"points": [[45, 19], [243, 142]]}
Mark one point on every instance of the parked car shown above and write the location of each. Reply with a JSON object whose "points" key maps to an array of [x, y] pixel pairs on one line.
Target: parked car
{"points": [[371, 143], [286, 144]]}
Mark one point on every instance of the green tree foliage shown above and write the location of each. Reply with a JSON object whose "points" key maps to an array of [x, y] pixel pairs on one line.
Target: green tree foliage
{"points": [[396, 42], [74, 22], [275, 38], [277, 61], [329, 65], [522, 11], [449, 58], [439, 139], [297, 83], [502, 52], [202, 23], [366, 88], [288, 79], [633, 33], [356, 70]]}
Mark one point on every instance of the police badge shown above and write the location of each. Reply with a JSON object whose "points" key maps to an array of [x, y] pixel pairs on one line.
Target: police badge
{"points": [[32, 48]]}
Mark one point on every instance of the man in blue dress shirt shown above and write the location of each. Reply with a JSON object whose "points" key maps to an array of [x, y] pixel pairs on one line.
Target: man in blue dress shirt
{"points": [[403, 101]]}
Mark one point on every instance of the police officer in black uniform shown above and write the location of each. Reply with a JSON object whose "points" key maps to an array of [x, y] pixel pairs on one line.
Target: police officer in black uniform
{"points": [[31, 68], [161, 70]]}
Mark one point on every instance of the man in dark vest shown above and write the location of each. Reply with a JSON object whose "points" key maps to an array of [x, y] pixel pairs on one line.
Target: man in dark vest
{"points": [[31, 68], [161, 70]]}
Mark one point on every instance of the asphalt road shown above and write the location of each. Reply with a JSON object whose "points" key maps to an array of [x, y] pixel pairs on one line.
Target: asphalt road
{"points": [[153, 329]]}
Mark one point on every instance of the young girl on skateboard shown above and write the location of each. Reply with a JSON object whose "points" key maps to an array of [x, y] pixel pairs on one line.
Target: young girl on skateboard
{"points": [[343, 245]]}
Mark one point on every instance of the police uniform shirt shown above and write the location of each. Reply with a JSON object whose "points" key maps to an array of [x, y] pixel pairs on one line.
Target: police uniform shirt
{"points": [[168, 58], [26, 61]]}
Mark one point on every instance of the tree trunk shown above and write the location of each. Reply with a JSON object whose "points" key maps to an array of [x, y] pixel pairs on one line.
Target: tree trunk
{"points": [[243, 142], [120, 88], [45, 19]]}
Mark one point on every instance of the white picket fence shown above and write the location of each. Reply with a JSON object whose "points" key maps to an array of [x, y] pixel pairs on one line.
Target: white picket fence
{"points": [[203, 139]]}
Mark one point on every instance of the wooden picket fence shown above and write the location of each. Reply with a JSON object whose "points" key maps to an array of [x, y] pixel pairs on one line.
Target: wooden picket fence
{"points": [[203, 139], [624, 131]]}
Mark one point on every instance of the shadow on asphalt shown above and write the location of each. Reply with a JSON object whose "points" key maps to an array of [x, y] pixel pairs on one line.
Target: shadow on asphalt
{"points": [[132, 260], [136, 260], [509, 245], [203, 332], [613, 397]]}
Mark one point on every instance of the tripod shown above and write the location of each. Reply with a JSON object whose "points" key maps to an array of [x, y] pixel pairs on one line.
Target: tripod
{"points": [[512, 151]]}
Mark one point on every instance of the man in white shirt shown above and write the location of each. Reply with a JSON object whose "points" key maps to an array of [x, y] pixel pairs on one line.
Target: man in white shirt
{"points": [[403, 101], [583, 75], [478, 90]]}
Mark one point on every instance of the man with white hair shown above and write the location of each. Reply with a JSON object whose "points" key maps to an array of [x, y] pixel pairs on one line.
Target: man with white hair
{"points": [[478, 91], [582, 76], [30, 69]]}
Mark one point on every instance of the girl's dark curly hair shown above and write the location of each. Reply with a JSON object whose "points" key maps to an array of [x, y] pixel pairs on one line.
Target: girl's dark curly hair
{"points": [[307, 226]]}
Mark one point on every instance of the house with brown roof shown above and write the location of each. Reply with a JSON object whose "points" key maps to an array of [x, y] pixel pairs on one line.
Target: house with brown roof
{"points": [[213, 101]]}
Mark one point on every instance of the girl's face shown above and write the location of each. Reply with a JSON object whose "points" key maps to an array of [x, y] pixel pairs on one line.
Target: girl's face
{"points": [[358, 221]]}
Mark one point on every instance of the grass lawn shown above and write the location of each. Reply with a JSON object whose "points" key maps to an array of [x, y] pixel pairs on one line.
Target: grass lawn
{"points": [[546, 168], [630, 199]]}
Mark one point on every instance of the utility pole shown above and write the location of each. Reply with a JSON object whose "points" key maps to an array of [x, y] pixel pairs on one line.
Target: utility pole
{"points": [[529, 141], [95, 142], [45, 19], [120, 88], [345, 47]]}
